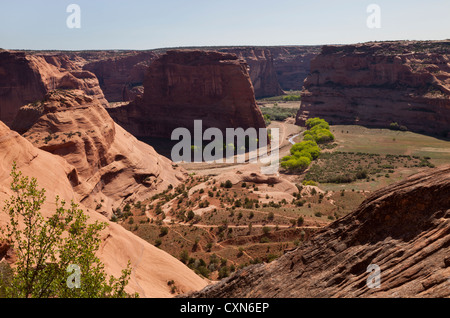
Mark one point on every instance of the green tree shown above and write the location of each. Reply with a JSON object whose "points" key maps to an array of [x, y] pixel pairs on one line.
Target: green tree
{"points": [[47, 247]]}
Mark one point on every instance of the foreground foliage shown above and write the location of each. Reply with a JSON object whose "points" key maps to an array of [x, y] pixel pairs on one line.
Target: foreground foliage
{"points": [[50, 250]]}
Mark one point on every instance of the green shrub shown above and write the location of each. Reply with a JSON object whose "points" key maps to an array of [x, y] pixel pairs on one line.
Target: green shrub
{"points": [[317, 122], [228, 184], [296, 164], [292, 98], [310, 147]]}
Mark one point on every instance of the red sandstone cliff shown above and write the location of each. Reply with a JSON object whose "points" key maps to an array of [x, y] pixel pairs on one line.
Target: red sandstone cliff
{"points": [[404, 229], [272, 69], [111, 165], [121, 77], [375, 84], [262, 71], [292, 64], [152, 267], [26, 78], [182, 86]]}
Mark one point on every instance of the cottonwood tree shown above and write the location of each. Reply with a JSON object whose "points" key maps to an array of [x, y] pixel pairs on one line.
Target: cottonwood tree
{"points": [[46, 248]]}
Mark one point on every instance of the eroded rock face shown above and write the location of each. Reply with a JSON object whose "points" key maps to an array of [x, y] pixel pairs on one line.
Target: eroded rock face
{"points": [[272, 69], [292, 64], [376, 84], [152, 267], [122, 77], [183, 86], [111, 165], [262, 71], [404, 229], [26, 78]]}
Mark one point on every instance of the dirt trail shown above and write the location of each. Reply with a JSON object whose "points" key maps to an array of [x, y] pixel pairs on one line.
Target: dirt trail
{"points": [[288, 132]]}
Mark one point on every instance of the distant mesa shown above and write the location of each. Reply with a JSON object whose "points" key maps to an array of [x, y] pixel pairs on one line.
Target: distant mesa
{"points": [[152, 267], [376, 84], [184, 85], [261, 70]]}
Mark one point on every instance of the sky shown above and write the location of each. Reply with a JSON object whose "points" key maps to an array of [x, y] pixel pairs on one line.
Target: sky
{"points": [[148, 24]]}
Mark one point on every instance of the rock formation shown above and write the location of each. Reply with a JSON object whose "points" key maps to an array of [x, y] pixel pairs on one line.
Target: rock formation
{"points": [[292, 64], [152, 267], [404, 229], [262, 70], [111, 165], [26, 78], [186, 85], [376, 84], [272, 69], [121, 78]]}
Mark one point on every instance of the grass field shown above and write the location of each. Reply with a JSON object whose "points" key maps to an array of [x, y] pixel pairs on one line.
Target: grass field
{"points": [[386, 156], [385, 141]]}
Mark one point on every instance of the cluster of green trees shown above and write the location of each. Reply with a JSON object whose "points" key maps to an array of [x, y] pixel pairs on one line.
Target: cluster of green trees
{"points": [[303, 153], [318, 131], [396, 126]]}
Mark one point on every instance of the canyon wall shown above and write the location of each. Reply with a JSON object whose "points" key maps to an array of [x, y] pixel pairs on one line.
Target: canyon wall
{"points": [[121, 77], [402, 228], [376, 84], [182, 86], [26, 78], [262, 71], [272, 69], [292, 64], [111, 165]]}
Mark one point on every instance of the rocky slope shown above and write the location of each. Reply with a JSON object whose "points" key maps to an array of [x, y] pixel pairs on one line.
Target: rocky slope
{"points": [[26, 78], [376, 84], [183, 86], [404, 229], [152, 268], [111, 165]]}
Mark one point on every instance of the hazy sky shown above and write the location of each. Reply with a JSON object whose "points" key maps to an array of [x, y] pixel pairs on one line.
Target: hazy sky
{"points": [[147, 24]]}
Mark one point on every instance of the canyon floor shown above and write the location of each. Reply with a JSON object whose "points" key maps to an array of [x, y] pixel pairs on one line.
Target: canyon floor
{"points": [[255, 220]]}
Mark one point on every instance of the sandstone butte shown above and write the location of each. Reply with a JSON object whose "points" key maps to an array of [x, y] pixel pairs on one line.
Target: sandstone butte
{"points": [[376, 84], [152, 267], [26, 78], [272, 69], [403, 228], [185, 85], [262, 71], [121, 76]]}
